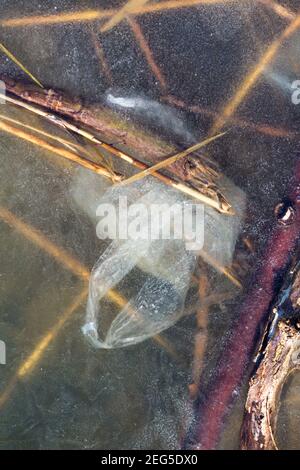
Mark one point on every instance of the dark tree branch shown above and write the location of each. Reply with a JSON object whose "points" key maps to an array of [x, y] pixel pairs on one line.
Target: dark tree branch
{"points": [[213, 404]]}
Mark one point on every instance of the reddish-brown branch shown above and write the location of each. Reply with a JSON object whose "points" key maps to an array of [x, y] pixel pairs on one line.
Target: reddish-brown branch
{"points": [[139, 36], [188, 174], [99, 119], [212, 406]]}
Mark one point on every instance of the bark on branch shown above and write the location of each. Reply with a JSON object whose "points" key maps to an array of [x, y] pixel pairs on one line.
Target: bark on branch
{"points": [[279, 357], [213, 403]]}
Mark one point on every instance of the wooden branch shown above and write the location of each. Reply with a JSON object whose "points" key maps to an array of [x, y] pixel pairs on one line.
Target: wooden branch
{"points": [[191, 176], [278, 358], [213, 404], [261, 411]]}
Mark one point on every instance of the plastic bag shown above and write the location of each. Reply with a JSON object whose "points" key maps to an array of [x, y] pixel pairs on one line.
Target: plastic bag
{"points": [[167, 264]]}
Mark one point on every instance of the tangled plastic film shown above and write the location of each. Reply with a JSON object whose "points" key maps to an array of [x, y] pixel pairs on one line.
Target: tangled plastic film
{"points": [[166, 265]]}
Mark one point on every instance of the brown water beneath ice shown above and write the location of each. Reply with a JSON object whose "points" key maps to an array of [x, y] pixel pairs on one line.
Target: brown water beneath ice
{"points": [[137, 397]]}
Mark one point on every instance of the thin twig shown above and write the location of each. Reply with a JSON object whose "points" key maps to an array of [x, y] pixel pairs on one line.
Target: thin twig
{"points": [[137, 31], [201, 334], [261, 128], [101, 56]]}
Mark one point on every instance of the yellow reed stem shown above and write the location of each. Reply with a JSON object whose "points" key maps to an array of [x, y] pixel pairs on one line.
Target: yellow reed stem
{"points": [[60, 140], [169, 161], [221, 269], [36, 355], [40, 240], [66, 260], [252, 77], [95, 15], [223, 207], [95, 167], [31, 361], [129, 7], [19, 64], [59, 254], [280, 10]]}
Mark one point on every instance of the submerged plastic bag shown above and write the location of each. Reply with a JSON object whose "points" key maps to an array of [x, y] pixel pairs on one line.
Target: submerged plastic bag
{"points": [[157, 305], [160, 301], [167, 264]]}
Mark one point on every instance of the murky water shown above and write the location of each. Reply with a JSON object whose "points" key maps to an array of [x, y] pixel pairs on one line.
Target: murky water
{"points": [[167, 72]]}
